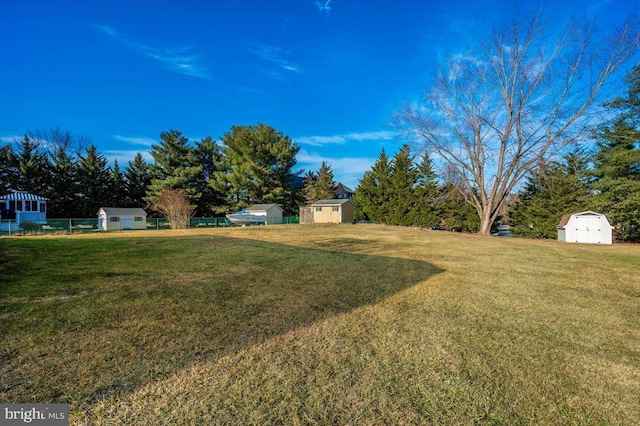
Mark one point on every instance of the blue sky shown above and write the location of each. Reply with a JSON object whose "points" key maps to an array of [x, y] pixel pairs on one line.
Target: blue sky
{"points": [[329, 74]]}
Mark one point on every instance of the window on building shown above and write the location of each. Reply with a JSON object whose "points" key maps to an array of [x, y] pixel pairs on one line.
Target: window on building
{"points": [[19, 205], [137, 218], [318, 209], [114, 219], [43, 207], [335, 209]]}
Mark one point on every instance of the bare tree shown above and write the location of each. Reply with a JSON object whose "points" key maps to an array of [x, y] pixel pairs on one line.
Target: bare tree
{"points": [[56, 141], [493, 114], [175, 206]]}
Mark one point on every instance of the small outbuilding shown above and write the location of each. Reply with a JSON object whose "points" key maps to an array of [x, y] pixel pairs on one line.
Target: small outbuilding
{"points": [[20, 207], [273, 212], [585, 227], [120, 218], [328, 211]]}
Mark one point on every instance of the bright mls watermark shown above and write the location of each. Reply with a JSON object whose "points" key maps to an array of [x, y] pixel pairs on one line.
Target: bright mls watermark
{"points": [[37, 414]]}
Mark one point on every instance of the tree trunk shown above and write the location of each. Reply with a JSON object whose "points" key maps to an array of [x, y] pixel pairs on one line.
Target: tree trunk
{"points": [[486, 221]]}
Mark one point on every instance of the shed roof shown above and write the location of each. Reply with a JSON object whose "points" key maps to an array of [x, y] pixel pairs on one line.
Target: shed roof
{"points": [[565, 219], [262, 207], [123, 211], [22, 195], [336, 202]]}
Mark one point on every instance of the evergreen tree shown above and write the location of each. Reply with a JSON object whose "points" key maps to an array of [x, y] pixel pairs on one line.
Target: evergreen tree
{"points": [[308, 190], [403, 178], [616, 173], [373, 192], [628, 107], [137, 180], [208, 154], [174, 167], [616, 185], [320, 185], [259, 167], [93, 183], [7, 170], [62, 190], [552, 191], [427, 213], [117, 184], [28, 168], [456, 214]]}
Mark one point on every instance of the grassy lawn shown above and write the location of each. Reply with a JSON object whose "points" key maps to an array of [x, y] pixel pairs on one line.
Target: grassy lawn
{"points": [[321, 325]]}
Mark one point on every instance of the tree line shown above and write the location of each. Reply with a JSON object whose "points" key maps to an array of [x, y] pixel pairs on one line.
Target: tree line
{"points": [[499, 116], [252, 165], [604, 178]]}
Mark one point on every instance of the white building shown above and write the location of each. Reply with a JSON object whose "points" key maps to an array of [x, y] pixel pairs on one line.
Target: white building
{"points": [[585, 227], [118, 219], [273, 212], [20, 207]]}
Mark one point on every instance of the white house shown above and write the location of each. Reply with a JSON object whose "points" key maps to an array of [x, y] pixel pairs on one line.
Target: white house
{"points": [[117, 218], [273, 212], [20, 207], [585, 227]]}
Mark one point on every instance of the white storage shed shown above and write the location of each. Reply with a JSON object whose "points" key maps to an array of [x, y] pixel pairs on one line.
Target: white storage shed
{"points": [[273, 212], [585, 227], [120, 218]]}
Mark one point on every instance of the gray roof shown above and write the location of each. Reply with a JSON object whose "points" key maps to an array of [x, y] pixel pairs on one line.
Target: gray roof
{"points": [[262, 207], [336, 202], [345, 187], [123, 211], [22, 195]]}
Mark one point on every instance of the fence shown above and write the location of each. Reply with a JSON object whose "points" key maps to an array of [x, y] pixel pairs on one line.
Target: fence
{"points": [[73, 226]]}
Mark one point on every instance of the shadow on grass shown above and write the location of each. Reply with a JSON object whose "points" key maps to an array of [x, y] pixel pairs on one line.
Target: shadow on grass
{"points": [[86, 319]]}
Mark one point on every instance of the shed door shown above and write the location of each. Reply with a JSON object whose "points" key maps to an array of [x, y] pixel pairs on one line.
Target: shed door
{"points": [[126, 222], [588, 229]]}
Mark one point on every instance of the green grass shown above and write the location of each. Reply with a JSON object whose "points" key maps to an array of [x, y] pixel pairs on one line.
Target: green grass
{"points": [[321, 324]]}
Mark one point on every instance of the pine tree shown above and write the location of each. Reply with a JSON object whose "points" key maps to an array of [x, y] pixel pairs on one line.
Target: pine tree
{"points": [[309, 188], [373, 192], [62, 190], [7, 169], [208, 154], [616, 185], [93, 183], [137, 180], [117, 184], [427, 214], [552, 191], [456, 214], [174, 167], [259, 167], [403, 178], [27, 170], [320, 185], [616, 173]]}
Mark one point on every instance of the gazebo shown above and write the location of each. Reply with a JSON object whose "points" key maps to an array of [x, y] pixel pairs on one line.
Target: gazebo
{"points": [[19, 207]]}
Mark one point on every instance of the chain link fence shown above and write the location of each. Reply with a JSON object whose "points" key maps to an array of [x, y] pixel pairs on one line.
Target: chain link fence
{"points": [[74, 226]]}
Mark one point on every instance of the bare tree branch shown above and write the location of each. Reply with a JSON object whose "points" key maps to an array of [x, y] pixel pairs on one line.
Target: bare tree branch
{"points": [[492, 115]]}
